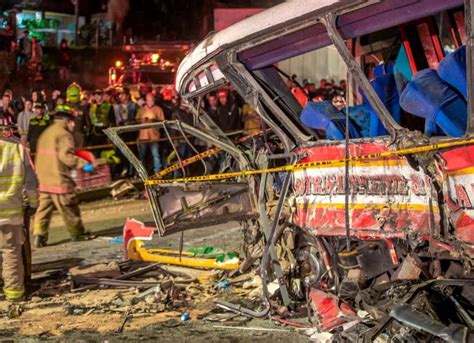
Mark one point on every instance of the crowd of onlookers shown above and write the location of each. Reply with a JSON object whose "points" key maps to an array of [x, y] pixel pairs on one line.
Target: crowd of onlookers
{"points": [[326, 90], [97, 110], [307, 91]]}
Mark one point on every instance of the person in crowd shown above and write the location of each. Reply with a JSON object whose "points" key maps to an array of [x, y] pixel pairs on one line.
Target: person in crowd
{"points": [[37, 125], [24, 48], [101, 116], [321, 91], [141, 97], [60, 101], [55, 94], [86, 101], [81, 118], [147, 138], [339, 102], [125, 113], [64, 61], [228, 113], [15, 102], [251, 119], [125, 110], [310, 89], [342, 87], [182, 114], [44, 97], [37, 97], [213, 106], [24, 118], [7, 113]]}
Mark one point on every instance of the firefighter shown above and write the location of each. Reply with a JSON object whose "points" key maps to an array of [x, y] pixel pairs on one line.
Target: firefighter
{"points": [[102, 116], [55, 160], [82, 121], [16, 176]]}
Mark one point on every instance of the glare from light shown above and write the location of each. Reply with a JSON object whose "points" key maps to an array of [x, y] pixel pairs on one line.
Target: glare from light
{"points": [[155, 57]]}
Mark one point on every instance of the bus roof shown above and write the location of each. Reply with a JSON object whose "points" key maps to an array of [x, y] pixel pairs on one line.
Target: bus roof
{"points": [[290, 11], [353, 22]]}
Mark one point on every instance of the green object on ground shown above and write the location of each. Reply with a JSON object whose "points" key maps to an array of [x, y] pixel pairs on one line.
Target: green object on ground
{"points": [[209, 251]]}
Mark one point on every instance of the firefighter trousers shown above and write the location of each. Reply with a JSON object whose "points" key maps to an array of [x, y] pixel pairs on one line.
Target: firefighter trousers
{"points": [[67, 206], [13, 273]]}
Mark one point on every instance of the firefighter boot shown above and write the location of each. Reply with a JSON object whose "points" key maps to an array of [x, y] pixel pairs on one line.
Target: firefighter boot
{"points": [[39, 241]]}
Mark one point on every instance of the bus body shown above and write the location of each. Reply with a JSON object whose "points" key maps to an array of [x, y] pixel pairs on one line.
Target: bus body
{"points": [[386, 200]]}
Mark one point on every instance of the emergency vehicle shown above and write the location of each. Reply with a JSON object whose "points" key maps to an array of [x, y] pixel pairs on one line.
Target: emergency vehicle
{"points": [[149, 66]]}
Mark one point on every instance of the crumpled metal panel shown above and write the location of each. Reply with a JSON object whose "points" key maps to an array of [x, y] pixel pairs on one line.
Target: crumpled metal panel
{"points": [[193, 205], [331, 312], [459, 191], [388, 197]]}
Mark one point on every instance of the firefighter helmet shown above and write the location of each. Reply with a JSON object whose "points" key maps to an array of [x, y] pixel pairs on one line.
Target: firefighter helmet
{"points": [[73, 93], [65, 111]]}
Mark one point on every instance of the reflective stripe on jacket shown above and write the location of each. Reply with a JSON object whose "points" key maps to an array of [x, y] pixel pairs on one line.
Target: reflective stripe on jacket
{"points": [[16, 174]]}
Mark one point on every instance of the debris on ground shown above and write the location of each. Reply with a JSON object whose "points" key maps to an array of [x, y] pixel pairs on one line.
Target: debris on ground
{"points": [[122, 188]]}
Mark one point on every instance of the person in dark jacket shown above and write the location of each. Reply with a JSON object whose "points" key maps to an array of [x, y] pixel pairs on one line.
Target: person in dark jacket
{"points": [[37, 125], [182, 114], [7, 113], [228, 113], [213, 106]]}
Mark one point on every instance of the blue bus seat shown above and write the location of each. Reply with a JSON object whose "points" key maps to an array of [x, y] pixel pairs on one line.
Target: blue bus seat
{"points": [[324, 116], [429, 97], [452, 69], [386, 89]]}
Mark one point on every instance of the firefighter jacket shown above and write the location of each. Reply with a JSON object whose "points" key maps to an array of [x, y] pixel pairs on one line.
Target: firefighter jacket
{"points": [[16, 176], [102, 116], [55, 159]]}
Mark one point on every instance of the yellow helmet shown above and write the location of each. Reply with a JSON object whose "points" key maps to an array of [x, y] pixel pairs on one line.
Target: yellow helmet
{"points": [[73, 93]]}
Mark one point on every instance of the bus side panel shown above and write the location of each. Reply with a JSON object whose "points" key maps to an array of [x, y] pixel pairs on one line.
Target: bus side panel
{"points": [[388, 198], [459, 191]]}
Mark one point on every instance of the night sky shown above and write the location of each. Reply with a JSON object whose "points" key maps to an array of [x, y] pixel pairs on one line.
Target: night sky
{"points": [[150, 19]]}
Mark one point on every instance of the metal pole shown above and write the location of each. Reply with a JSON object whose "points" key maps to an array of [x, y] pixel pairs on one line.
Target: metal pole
{"points": [[347, 154], [468, 15], [383, 114]]}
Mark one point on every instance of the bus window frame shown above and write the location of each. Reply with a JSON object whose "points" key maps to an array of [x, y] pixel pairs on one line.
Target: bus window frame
{"points": [[393, 128]]}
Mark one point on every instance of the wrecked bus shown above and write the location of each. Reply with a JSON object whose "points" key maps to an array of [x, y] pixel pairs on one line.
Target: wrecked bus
{"points": [[370, 205]]}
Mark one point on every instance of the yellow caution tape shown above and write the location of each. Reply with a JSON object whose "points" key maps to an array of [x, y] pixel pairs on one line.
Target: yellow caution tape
{"points": [[308, 165], [185, 163], [198, 157]]}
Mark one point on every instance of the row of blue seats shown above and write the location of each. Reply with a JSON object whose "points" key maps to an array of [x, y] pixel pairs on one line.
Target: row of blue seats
{"points": [[437, 96]]}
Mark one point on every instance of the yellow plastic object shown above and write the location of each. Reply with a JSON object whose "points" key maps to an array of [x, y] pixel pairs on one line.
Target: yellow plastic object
{"points": [[167, 252], [137, 251]]}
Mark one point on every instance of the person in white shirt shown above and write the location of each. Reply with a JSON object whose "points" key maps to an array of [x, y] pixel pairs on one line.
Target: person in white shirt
{"points": [[24, 120]]}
